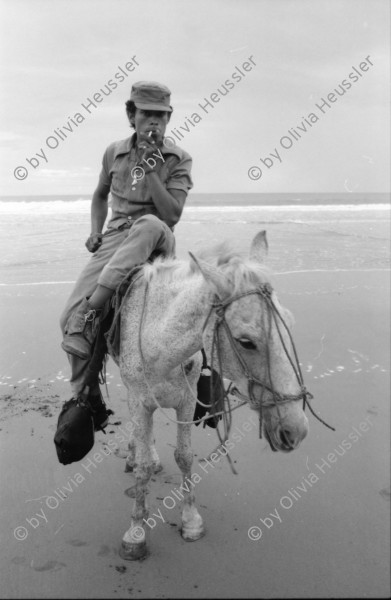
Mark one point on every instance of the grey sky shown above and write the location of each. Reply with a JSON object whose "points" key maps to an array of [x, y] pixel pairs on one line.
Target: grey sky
{"points": [[56, 54]]}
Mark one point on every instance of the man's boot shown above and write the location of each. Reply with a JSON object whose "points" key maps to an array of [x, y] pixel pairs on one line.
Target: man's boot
{"points": [[79, 418], [81, 330]]}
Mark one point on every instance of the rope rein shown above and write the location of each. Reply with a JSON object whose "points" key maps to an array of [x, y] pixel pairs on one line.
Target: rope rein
{"points": [[273, 315]]}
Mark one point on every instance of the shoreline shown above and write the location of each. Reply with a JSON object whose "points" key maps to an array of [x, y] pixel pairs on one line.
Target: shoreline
{"points": [[237, 199]]}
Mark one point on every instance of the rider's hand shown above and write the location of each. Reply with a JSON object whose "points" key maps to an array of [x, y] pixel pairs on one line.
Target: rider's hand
{"points": [[94, 242], [147, 144]]}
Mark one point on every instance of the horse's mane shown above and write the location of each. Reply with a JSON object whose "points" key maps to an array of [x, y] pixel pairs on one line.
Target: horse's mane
{"points": [[240, 271]]}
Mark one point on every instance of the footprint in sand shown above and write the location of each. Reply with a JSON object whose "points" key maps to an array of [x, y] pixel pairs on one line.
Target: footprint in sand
{"points": [[76, 543], [19, 560], [107, 551], [385, 493], [50, 565]]}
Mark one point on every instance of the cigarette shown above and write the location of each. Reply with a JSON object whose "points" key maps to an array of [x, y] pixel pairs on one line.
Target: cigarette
{"points": [[150, 133]]}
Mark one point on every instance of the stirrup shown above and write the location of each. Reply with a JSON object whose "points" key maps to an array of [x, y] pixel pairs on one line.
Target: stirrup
{"points": [[100, 412]]}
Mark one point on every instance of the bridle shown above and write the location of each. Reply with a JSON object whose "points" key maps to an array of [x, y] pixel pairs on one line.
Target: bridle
{"points": [[264, 291], [219, 307]]}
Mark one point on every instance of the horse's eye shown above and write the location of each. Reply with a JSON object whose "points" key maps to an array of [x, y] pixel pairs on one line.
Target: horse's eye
{"points": [[247, 344]]}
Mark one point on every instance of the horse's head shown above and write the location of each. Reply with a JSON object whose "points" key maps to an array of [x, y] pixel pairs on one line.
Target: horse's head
{"points": [[248, 333]]}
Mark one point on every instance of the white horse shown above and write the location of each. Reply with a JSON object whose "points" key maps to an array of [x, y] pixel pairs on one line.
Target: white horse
{"points": [[226, 305]]}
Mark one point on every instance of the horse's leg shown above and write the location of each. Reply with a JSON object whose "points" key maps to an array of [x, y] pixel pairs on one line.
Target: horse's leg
{"points": [[134, 545], [131, 458], [130, 426], [192, 524]]}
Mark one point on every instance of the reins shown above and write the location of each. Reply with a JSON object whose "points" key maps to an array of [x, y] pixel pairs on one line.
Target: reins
{"points": [[273, 314]]}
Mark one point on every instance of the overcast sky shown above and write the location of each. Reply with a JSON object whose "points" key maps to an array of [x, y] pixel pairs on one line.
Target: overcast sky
{"points": [[56, 54]]}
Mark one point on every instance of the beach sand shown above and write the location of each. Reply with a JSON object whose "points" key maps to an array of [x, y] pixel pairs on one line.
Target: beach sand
{"points": [[333, 536]]}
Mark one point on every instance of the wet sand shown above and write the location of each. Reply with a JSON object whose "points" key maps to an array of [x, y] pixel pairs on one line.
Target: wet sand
{"points": [[332, 535]]}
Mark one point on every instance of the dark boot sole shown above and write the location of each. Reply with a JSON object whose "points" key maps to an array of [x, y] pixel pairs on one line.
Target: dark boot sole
{"points": [[71, 350]]}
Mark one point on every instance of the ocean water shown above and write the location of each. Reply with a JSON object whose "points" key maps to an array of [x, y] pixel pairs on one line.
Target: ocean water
{"points": [[42, 238]]}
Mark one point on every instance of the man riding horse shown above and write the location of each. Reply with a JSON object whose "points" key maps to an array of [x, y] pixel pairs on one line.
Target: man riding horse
{"points": [[148, 182]]}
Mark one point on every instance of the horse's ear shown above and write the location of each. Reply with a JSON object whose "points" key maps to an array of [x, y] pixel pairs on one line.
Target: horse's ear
{"points": [[212, 275], [259, 247]]}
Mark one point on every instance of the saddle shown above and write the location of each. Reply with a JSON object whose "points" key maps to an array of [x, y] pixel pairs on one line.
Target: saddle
{"points": [[112, 333], [210, 389]]}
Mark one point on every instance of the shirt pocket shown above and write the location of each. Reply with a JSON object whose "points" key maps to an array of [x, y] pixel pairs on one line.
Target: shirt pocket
{"points": [[121, 177]]}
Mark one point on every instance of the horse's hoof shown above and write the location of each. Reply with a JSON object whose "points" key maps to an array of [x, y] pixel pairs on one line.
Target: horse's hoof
{"points": [[134, 544], [192, 534], [129, 551]]}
